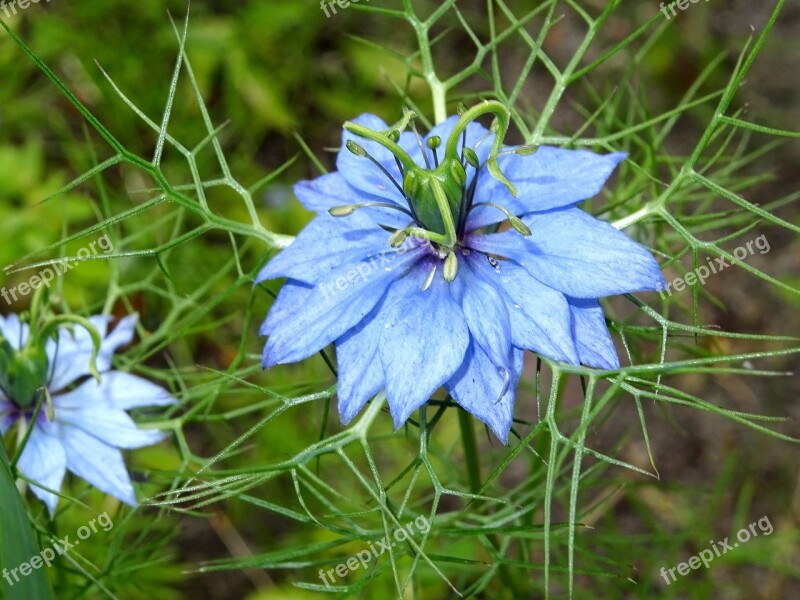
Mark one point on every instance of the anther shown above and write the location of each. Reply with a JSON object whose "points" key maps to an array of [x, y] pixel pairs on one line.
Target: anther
{"points": [[472, 157], [515, 221], [429, 278], [345, 210], [450, 267], [506, 382], [355, 148], [398, 238], [434, 143], [526, 150]]}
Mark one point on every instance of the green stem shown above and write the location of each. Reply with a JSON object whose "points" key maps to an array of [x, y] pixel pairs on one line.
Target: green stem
{"points": [[439, 95], [471, 456], [438, 87]]}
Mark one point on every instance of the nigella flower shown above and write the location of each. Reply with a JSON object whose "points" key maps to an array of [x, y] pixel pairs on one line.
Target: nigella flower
{"points": [[425, 285], [86, 425]]}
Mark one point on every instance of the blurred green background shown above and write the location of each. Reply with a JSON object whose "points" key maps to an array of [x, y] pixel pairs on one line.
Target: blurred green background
{"points": [[283, 76]]}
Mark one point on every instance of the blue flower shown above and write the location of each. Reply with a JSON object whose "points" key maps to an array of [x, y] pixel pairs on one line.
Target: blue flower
{"points": [[424, 285], [87, 425]]}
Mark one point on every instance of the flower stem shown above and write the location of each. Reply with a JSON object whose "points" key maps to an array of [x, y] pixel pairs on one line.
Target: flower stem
{"points": [[632, 218], [471, 456], [438, 88]]}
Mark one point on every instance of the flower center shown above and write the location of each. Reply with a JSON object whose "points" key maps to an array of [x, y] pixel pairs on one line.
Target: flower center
{"points": [[23, 373], [439, 199]]}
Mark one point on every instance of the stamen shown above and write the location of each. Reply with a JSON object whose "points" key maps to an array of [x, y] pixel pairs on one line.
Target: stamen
{"points": [[400, 166], [388, 228], [429, 278], [450, 267], [421, 145], [359, 151], [482, 139], [345, 210], [515, 221], [398, 238], [525, 150], [433, 144], [506, 382], [466, 205], [395, 136], [49, 407], [472, 158]]}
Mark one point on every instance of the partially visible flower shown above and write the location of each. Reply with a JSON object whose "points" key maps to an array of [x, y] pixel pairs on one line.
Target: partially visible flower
{"points": [[457, 307], [86, 426]]}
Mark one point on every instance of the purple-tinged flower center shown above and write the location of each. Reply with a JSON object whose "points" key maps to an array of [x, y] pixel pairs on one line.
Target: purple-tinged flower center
{"points": [[439, 196]]}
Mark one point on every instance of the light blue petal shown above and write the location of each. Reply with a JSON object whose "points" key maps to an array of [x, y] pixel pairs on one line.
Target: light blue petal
{"points": [[362, 174], [117, 390], [360, 371], [477, 386], [485, 312], [323, 193], [328, 191], [44, 461], [14, 331], [70, 356], [324, 244], [293, 294], [337, 304], [111, 426], [540, 316], [549, 178], [424, 339], [595, 347], [98, 409], [96, 462], [577, 254]]}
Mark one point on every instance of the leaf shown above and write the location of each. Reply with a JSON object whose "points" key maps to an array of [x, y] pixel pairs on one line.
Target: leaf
{"points": [[17, 544]]}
